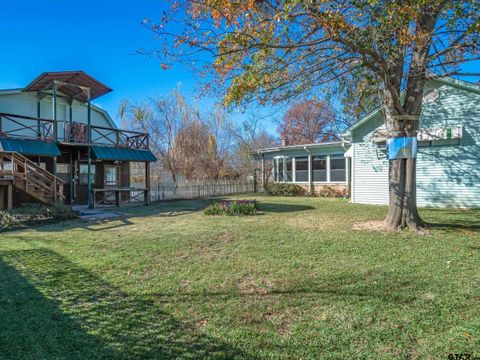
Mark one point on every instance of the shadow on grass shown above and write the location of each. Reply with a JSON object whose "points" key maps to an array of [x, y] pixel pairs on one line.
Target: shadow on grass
{"points": [[53, 309], [167, 209], [454, 219], [283, 208], [384, 288]]}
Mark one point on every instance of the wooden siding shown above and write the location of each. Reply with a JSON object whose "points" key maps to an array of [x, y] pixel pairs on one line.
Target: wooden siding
{"points": [[448, 174], [25, 104]]}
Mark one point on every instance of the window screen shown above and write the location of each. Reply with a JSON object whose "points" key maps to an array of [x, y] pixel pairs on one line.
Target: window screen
{"points": [[319, 164], [337, 168], [301, 169]]}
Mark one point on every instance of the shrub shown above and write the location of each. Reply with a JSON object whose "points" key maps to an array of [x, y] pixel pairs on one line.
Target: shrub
{"points": [[31, 214], [335, 192], [59, 211], [232, 208], [8, 221], [280, 189], [212, 210]]}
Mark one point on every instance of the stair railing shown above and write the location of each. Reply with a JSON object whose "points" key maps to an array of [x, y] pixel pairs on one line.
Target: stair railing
{"points": [[36, 178]]}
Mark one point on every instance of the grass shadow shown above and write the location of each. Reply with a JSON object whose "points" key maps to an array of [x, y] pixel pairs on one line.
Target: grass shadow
{"points": [[283, 208], [52, 308], [454, 219]]}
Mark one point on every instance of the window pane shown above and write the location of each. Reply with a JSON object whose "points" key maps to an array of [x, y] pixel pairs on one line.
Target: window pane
{"points": [[111, 175], [280, 169], [301, 169], [274, 170], [319, 164], [84, 174], [337, 168], [63, 172], [289, 169]]}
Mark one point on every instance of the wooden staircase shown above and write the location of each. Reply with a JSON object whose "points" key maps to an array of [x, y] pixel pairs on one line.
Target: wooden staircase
{"points": [[17, 171]]}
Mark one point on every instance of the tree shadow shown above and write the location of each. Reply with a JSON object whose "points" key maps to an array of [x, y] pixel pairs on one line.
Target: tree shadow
{"points": [[169, 208], [54, 309], [283, 208], [452, 219]]}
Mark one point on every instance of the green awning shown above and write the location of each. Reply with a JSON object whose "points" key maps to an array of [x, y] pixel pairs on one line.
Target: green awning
{"points": [[30, 147], [121, 154]]}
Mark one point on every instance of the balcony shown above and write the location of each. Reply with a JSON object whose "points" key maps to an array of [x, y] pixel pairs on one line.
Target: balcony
{"points": [[76, 133]]}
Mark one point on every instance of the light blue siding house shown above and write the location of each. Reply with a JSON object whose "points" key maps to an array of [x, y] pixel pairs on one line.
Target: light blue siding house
{"points": [[312, 166], [448, 162]]}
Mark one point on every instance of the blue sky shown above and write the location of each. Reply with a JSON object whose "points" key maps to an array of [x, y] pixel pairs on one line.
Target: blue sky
{"points": [[99, 37]]}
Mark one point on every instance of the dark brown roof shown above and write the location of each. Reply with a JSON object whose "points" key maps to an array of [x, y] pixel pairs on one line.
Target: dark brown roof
{"points": [[76, 79]]}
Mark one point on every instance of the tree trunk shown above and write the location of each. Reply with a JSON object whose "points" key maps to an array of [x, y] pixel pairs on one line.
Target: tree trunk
{"points": [[402, 210]]}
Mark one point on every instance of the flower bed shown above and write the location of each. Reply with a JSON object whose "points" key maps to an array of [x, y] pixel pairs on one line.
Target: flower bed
{"points": [[232, 208]]}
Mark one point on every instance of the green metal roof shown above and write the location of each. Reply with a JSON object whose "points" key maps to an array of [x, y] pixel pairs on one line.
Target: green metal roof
{"points": [[121, 154], [30, 147]]}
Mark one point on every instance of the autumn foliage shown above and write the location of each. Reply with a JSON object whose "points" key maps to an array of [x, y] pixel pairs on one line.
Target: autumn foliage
{"points": [[272, 51], [308, 122]]}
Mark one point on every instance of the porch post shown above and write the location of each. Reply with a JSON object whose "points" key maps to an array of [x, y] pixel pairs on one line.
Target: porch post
{"points": [[147, 183], [89, 134], [39, 134], [310, 173], [2, 198], [55, 126], [54, 111], [72, 170], [294, 169], [263, 173], [10, 198], [328, 169]]}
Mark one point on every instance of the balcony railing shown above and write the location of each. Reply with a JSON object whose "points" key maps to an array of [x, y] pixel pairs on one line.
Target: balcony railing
{"points": [[26, 127]]}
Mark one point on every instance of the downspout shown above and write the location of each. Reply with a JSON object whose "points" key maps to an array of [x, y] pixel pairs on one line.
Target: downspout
{"points": [[349, 167], [89, 134]]}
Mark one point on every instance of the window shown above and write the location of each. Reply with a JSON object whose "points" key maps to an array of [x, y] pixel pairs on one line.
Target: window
{"points": [[289, 165], [275, 175], [280, 169], [63, 172], [319, 168], [83, 180], [301, 169], [111, 175], [337, 168]]}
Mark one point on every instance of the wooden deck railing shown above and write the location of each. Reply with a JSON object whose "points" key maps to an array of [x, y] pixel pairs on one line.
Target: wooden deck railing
{"points": [[33, 178], [120, 196], [26, 127]]}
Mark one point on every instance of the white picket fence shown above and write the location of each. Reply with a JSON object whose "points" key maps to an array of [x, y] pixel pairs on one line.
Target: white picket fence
{"points": [[198, 190]]}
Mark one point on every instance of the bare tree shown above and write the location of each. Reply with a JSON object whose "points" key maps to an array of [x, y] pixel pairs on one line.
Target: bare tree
{"points": [[308, 122], [248, 137], [163, 119]]}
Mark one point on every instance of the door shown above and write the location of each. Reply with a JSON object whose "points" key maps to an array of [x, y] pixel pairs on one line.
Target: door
{"points": [[111, 182], [111, 176]]}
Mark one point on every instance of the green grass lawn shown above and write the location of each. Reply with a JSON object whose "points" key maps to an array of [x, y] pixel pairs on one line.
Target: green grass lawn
{"points": [[295, 282]]}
